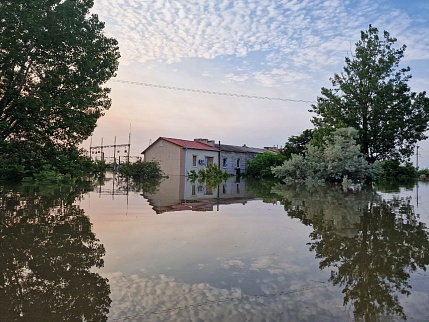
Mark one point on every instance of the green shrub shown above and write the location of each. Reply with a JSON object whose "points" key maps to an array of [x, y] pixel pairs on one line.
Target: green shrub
{"points": [[339, 160], [260, 165], [392, 169], [212, 175], [141, 170]]}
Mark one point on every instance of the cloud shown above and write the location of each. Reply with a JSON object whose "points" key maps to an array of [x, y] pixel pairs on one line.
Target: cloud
{"points": [[307, 35], [270, 48]]}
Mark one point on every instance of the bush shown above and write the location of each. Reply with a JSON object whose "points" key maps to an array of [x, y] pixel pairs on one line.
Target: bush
{"points": [[260, 166], [212, 175], [338, 161], [423, 174], [142, 170], [20, 160], [392, 169]]}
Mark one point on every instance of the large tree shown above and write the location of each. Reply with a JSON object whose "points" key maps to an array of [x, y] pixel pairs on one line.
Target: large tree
{"points": [[297, 144], [54, 60], [372, 95]]}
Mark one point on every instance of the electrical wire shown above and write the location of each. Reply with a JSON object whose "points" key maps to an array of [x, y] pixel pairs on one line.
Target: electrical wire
{"points": [[199, 91]]}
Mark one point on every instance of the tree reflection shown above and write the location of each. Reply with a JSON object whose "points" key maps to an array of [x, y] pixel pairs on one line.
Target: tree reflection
{"points": [[47, 251], [371, 244]]}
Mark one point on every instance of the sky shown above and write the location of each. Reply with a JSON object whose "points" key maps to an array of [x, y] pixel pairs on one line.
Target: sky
{"points": [[281, 51]]}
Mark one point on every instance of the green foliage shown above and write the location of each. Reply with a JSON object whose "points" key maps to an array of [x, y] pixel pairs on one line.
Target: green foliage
{"points": [[99, 166], [338, 161], [372, 96], [392, 169], [54, 60], [297, 144], [212, 175], [142, 170], [22, 160], [50, 176], [260, 165], [423, 174]]}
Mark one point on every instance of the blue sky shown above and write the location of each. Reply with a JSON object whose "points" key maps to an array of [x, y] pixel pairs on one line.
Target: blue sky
{"points": [[268, 48]]}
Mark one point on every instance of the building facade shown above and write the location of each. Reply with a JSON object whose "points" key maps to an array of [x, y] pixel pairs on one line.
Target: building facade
{"points": [[179, 157], [233, 159]]}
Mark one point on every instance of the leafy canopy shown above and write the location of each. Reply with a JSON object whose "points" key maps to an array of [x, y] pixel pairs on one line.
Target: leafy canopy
{"points": [[297, 144], [260, 165], [54, 60], [372, 96]]}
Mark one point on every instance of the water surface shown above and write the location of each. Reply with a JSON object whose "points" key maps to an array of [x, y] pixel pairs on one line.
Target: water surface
{"points": [[240, 251]]}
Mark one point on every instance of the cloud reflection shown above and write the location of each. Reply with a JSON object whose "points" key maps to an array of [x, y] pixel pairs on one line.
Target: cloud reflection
{"points": [[163, 298]]}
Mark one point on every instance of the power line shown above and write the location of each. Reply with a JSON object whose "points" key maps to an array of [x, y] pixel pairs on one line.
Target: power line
{"points": [[211, 92]]}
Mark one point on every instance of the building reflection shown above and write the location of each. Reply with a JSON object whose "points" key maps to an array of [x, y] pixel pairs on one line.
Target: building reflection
{"points": [[177, 194]]}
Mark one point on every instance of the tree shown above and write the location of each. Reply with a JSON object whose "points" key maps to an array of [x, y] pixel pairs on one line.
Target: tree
{"points": [[370, 244], [260, 165], [297, 144], [54, 60], [372, 95], [338, 159]]}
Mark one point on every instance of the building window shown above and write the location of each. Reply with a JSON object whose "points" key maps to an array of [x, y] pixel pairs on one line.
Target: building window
{"points": [[209, 160], [193, 190], [238, 162], [224, 162], [194, 160]]}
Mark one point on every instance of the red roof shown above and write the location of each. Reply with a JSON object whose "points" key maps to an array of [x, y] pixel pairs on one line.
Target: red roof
{"points": [[186, 144]]}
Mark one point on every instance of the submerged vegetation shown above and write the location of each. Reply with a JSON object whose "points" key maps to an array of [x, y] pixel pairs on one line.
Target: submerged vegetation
{"points": [[260, 165], [211, 175], [338, 161], [141, 170]]}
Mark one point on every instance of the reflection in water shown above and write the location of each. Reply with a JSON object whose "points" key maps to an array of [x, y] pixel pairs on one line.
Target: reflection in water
{"points": [[47, 251], [372, 245], [177, 194]]}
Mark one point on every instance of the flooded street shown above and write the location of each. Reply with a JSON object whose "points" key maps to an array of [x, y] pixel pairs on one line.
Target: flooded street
{"points": [[242, 251]]}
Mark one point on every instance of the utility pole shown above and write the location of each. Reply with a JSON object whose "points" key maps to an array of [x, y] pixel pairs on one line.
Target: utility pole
{"points": [[102, 153], [114, 155], [417, 157], [90, 148], [129, 146]]}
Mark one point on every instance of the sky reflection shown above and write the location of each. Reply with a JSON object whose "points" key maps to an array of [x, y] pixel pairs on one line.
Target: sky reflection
{"points": [[251, 261]]}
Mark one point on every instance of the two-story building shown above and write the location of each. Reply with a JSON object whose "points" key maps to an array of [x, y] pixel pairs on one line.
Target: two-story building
{"points": [[179, 157], [232, 158]]}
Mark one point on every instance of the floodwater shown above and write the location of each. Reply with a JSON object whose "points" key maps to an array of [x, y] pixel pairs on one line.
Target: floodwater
{"points": [[241, 251]]}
